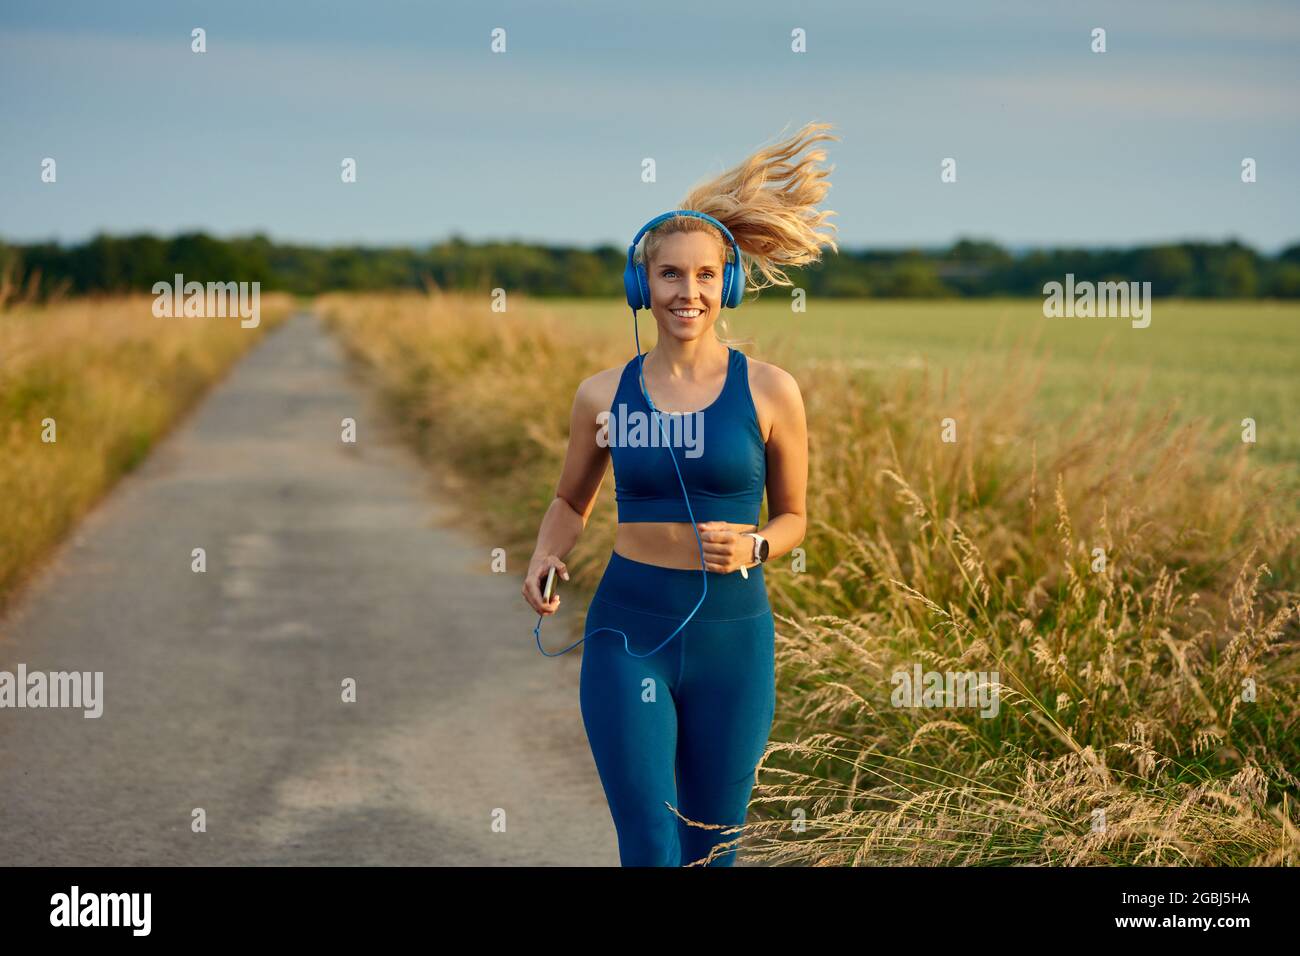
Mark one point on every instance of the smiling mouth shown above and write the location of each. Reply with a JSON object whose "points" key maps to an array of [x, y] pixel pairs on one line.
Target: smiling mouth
{"points": [[687, 313]]}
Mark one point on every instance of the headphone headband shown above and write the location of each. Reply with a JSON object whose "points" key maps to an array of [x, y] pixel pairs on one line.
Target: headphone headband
{"points": [[631, 252]]}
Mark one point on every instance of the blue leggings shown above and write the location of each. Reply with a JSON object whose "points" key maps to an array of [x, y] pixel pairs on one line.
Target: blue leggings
{"points": [[687, 725]]}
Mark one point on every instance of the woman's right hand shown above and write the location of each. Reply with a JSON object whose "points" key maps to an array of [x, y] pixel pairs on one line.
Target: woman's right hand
{"points": [[535, 580]]}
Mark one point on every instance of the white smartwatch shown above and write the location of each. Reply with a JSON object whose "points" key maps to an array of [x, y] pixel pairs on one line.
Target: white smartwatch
{"points": [[760, 552]]}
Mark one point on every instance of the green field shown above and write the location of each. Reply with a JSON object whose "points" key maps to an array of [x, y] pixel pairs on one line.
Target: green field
{"points": [[1223, 361]]}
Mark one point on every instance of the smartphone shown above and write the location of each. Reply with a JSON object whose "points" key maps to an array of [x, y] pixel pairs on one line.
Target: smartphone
{"points": [[550, 585]]}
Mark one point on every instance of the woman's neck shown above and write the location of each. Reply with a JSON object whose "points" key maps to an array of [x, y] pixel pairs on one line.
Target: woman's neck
{"points": [[688, 361]]}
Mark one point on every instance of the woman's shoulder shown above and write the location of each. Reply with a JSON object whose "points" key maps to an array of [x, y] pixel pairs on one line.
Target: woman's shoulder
{"points": [[775, 393], [771, 381]]}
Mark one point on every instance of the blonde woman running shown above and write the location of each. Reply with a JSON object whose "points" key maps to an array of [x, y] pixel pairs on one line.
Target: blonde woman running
{"points": [[678, 716]]}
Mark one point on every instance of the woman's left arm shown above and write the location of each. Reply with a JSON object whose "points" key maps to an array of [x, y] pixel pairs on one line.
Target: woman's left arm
{"points": [[787, 464], [725, 545]]}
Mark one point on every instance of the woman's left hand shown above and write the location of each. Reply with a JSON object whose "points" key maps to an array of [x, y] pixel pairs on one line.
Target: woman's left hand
{"points": [[727, 547]]}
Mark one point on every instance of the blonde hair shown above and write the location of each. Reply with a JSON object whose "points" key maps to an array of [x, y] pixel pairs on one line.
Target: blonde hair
{"points": [[774, 225]]}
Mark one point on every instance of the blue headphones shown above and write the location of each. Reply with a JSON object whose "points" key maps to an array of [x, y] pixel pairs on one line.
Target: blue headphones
{"points": [[637, 288]]}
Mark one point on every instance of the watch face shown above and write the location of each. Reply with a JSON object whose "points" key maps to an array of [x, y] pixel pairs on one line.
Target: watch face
{"points": [[762, 549]]}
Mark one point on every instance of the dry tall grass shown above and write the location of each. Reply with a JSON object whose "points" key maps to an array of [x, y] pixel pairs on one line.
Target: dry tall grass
{"points": [[113, 378], [1123, 688]]}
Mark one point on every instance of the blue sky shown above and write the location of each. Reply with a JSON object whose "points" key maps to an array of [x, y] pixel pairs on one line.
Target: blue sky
{"points": [[1054, 144]]}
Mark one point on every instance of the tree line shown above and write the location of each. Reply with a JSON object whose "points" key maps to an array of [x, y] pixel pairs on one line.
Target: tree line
{"points": [[967, 268]]}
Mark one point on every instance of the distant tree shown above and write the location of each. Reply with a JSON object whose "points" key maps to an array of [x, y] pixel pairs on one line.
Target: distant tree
{"points": [[914, 279], [1236, 276], [1285, 281], [1169, 269]]}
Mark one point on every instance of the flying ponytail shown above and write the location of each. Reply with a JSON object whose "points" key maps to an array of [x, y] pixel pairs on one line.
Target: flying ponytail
{"points": [[768, 203]]}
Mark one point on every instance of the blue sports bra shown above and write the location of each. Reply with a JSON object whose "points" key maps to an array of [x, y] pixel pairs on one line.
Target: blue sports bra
{"points": [[719, 449]]}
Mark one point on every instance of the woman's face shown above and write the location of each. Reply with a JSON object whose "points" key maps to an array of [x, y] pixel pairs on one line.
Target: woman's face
{"points": [[685, 278]]}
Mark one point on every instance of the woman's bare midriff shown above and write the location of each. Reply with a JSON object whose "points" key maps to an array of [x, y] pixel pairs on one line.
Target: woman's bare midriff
{"points": [[668, 544]]}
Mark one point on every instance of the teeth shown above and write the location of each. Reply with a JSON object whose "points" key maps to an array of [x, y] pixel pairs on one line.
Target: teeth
{"points": [[686, 313]]}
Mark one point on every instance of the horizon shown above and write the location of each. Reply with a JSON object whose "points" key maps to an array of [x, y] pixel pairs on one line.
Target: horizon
{"points": [[1014, 250]]}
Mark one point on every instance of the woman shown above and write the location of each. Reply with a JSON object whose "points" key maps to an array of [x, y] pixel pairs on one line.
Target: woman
{"points": [[682, 723]]}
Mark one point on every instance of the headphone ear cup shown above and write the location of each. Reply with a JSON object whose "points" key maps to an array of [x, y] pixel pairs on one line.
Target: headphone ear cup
{"points": [[733, 283], [643, 284], [631, 287]]}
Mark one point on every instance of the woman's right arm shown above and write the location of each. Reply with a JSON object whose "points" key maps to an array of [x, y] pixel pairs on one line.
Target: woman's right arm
{"points": [[585, 464]]}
